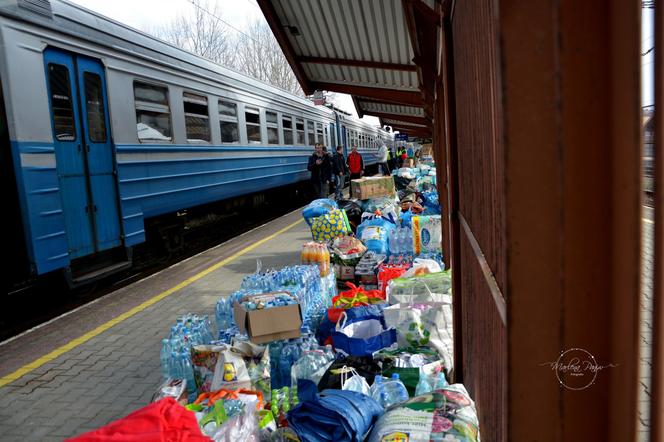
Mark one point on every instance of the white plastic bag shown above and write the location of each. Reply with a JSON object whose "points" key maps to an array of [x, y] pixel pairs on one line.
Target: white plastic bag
{"points": [[424, 324], [355, 382], [364, 329], [420, 266]]}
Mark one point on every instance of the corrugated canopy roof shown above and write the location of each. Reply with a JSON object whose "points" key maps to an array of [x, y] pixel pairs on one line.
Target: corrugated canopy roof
{"points": [[359, 47]]}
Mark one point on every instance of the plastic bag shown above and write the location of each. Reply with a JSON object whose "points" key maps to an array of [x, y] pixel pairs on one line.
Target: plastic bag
{"points": [[422, 267], [327, 227], [334, 415], [445, 414], [388, 272], [353, 212], [347, 250], [430, 202], [242, 427], [362, 336], [427, 234], [355, 297], [318, 208], [381, 203], [374, 234], [245, 365], [355, 382], [365, 366], [431, 287], [424, 324]]}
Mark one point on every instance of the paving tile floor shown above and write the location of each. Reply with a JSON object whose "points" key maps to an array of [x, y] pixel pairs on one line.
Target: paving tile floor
{"points": [[117, 371]]}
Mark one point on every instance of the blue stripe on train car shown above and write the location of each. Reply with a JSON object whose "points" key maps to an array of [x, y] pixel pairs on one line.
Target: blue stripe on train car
{"points": [[158, 179], [153, 180]]}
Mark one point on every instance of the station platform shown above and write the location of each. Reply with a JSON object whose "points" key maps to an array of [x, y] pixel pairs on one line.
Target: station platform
{"points": [[100, 362]]}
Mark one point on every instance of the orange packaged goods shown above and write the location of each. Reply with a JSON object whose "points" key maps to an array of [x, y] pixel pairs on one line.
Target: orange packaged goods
{"points": [[314, 253]]}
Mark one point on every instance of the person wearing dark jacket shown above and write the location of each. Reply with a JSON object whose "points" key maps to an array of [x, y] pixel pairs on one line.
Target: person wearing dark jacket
{"points": [[321, 171], [339, 171]]}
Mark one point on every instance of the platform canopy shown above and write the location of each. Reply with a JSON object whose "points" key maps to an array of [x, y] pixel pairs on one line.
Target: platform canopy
{"points": [[369, 49]]}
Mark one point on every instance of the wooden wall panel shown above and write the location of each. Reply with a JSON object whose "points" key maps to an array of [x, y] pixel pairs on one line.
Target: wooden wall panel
{"points": [[479, 134], [485, 348]]}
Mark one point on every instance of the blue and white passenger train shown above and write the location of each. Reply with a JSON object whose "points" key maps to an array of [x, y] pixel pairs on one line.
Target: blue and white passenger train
{"points": [[104, 128]]}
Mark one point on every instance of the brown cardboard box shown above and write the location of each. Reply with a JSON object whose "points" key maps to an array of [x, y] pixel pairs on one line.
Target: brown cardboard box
{"points": [[372, 187], [270, 324]]}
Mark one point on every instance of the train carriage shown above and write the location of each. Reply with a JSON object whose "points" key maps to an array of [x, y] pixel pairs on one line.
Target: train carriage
{"points": [[105, 128]]}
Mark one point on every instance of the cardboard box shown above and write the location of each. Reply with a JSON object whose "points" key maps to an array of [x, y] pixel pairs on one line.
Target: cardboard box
{"points": [[344, 273], [372, 187], [270, 324]]}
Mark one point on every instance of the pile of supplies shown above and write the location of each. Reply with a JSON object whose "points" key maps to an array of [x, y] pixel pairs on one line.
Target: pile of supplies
{"points": [[355, 343]]}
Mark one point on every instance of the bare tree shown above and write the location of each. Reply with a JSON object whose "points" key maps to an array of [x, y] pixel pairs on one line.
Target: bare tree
{"points": [[201, 32], [254, 51], [259, 55]]}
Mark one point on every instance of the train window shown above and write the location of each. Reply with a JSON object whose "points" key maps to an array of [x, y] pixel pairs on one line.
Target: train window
{"points": [[299, 125], [287, 123], [94, 107], [310, 132], [153, 115], [61, 103], [228, 124], [272, 127], [253, 119], [319, 133], [196, 118]]}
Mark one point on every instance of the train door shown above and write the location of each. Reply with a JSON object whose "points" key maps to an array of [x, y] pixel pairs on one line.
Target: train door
{"points": [[333, 136], [84, 151], [344, 133]]}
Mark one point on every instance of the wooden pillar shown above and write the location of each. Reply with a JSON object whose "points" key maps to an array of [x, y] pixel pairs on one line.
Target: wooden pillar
{"points": [[571, 100], [657, 406]]}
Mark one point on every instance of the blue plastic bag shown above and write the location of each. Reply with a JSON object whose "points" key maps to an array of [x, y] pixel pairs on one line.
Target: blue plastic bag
{"points": [[318, 208], [335, 415], [362, 333], [430, 203], [374, 233]]}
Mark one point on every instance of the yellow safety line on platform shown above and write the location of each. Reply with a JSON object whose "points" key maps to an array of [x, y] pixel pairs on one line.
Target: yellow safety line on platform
{"points": [[102, 328]]}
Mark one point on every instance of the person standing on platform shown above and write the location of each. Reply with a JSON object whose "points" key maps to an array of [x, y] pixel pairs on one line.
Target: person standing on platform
{"points": [[382, 159], [339, 171], [390, 158], [321, 171], [355, 164], [410, 152]]}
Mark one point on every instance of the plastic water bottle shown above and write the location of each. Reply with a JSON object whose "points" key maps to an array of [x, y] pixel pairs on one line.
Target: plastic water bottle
{"points": [[165, 358], [330, 353], [188, 375], [394, 244], [424, 384], [389, 392], [440, 381]]}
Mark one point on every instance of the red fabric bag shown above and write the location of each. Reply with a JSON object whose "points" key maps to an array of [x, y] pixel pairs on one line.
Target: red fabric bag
{"points": [[354, 297], [161, 421]]}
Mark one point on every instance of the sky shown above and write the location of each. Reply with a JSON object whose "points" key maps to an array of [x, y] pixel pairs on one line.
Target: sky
{"points": [[152, 14]]}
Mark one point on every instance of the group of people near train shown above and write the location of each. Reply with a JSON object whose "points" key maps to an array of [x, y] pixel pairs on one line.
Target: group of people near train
{"points": [[332, 168]]}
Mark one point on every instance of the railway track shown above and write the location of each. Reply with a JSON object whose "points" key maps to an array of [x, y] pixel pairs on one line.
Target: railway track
{"points": [[29, 306]]}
